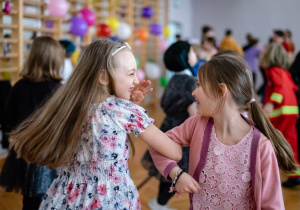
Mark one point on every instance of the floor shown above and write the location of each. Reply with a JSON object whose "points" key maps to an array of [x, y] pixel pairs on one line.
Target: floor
{"points": [[13, 201]]}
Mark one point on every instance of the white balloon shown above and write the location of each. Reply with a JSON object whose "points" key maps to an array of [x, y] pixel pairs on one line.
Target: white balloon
{"points": [[153, 70], [124, 31]]}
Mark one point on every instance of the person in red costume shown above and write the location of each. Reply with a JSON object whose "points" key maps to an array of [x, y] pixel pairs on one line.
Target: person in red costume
{"points": [[280, 102]]}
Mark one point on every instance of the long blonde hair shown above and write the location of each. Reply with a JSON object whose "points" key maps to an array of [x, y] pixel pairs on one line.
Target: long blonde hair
{"points": [[232, 70], [45, 60], [51, 135]]}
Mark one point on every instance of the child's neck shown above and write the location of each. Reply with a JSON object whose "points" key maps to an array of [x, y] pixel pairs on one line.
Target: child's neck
{"points": [[230, 126]]}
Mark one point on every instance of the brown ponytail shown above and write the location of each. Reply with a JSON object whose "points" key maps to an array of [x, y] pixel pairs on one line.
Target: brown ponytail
{"points": [[282, 148]]}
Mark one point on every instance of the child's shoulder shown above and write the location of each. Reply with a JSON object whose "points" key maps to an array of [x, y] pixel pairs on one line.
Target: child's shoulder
{"points": [[114, 105], [197, 120]]}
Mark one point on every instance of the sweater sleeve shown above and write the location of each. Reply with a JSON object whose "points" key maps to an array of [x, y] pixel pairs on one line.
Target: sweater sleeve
{"points": [[271, 193], [182, 135]]}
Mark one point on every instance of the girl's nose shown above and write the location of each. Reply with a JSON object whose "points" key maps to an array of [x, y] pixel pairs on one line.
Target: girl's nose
{"points": [[136, 80], [193, 94]]}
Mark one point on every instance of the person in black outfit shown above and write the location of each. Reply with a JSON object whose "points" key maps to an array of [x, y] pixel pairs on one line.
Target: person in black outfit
{"points": [[176, 101], [40, 79], [295, 71]]}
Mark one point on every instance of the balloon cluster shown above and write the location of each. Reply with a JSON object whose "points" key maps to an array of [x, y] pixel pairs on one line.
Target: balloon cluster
{"points": [[79, 24], [122, 29], [155, 29]]}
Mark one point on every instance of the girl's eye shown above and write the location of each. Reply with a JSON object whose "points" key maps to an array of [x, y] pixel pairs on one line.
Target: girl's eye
{"points": [[198, 84], [131, 74]]}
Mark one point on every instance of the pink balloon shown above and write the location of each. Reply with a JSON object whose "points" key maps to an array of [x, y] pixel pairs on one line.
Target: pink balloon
{"points": [[137, 43], [89, 16], [163, 44], [58, 8], [140, 74]]}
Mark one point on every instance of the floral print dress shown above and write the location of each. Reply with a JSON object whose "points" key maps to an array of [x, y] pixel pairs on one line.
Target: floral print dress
{"points": [[98, 176]]}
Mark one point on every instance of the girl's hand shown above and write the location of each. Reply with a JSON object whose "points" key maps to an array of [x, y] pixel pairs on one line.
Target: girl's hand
{"points": [[187, 184], [139, 92], [268, 108]]}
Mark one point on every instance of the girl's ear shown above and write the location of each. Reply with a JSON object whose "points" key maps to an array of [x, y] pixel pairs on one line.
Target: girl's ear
{"points": [[103, 78], [223, 89]]}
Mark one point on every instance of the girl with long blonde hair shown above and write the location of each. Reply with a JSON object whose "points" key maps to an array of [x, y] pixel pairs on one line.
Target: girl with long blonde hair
{"points": [[40, 78], [83, 130]]}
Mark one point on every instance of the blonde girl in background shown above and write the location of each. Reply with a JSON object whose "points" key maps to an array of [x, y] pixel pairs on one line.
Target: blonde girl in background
{"points": [[280, 102], [84, 127], [233, 160], [40, 78]]}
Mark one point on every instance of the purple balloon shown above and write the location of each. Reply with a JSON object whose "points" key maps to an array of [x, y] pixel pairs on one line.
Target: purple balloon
{"points": [[155, 29], [78, 26], [49, 24], [147, 12]]}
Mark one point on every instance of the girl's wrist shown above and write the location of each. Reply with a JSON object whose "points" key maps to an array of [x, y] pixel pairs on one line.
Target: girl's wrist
{"points": [[173, 172]]}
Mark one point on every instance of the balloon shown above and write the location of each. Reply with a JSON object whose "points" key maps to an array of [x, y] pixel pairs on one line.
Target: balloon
{"points": [[74, 57], [152, 70], [78, 26], [143, 34], [58, 8], [155, 29], [137, 62], [89, 16], [164, 81], [163, 44], [49, 24], [113, 23], [147, 12], [7, 7], [167, 31], [124, 31], [103, 30], [137, 43], [140, 74]]}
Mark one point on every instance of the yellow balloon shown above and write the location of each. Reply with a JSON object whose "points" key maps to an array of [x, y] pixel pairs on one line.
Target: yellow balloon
{"points": [[167, 31], [74, 57], [113, 23]]}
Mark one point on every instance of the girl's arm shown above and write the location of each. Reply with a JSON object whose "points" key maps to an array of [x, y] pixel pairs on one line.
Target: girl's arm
{"points": [[156, 139], [181, 135], [271, 192]]}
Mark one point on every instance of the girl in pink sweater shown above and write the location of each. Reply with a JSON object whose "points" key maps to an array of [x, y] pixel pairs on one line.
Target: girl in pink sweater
{"points": [[233, 160]]}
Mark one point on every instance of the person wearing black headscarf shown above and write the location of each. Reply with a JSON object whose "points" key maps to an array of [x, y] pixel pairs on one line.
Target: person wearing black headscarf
{"points": [[176, 101]]}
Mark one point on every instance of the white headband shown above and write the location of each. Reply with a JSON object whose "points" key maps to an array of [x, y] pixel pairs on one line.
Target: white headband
{"points": [[125, 45]]}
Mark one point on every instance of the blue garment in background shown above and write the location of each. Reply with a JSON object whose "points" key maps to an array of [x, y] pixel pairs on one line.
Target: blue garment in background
{"points": [[197, 66]]}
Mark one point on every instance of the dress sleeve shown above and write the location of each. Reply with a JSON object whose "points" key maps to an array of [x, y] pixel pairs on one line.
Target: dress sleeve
{"points": [[127, 115]]}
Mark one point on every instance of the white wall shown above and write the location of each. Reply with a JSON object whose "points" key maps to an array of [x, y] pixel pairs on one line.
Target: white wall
{"points": [[260, 17], [180, 11]]}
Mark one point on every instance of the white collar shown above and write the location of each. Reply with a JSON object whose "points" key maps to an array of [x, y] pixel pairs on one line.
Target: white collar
{"points": [[184, 72]]}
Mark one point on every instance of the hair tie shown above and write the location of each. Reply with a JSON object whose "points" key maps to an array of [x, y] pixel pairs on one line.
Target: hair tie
{"points": [[252, 100]]}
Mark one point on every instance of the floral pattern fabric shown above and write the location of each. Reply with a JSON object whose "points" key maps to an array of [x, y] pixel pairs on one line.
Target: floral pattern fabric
{"points": [[225, 180], [98, 176]]}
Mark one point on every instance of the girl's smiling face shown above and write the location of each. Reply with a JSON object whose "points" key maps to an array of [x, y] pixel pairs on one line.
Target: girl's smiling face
{"points": [[205, 103], [125, 78]]}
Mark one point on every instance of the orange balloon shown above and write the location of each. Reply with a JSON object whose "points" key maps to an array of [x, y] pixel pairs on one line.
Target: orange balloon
{"points": [[143, 34]]}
